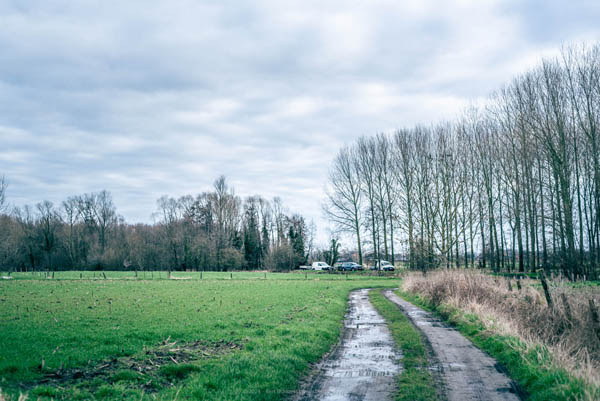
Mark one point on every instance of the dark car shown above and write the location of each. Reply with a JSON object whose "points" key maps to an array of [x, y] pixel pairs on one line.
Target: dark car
{"points": [[350, 266]]}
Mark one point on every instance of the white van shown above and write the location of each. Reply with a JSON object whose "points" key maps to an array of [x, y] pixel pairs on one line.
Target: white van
{"points": [[320, 266]]}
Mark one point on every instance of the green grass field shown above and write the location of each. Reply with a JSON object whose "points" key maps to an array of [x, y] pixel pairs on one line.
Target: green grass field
{"points": [[246, 338], [195, 275]]}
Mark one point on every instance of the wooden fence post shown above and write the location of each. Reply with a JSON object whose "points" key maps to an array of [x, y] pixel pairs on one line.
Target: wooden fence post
{"points": [[545, 287], [594, 316]]}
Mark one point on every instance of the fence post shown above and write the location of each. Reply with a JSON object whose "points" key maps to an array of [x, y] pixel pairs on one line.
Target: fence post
{"points": [[545, 287], [594, 316]]}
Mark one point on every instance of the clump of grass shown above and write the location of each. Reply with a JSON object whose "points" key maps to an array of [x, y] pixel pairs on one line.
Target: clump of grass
{"points": [[415, 381], [22, 397], [561, 339], [178, 372], [126, 376], [44, 391]]}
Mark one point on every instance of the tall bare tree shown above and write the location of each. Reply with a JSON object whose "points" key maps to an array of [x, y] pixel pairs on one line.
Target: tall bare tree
{"points": [[344, 197]]}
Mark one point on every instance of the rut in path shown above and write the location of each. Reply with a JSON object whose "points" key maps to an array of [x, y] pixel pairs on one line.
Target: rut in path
{"points": [[363, 366], [467, 373]]}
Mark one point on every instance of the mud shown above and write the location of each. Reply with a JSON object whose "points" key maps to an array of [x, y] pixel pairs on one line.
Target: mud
{"points": [[146, 369], [467, 373], [363, 366]]}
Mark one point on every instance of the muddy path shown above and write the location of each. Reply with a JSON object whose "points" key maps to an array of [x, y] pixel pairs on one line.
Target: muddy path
{"points": [[363, 366], [467, 373]]}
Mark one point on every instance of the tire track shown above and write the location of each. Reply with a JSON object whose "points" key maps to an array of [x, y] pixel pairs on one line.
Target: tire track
{"points": [[363, 366], [468, 374]]}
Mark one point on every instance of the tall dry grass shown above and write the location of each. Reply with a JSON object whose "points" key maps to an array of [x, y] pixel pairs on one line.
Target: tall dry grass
{"points": [[569, 328]]}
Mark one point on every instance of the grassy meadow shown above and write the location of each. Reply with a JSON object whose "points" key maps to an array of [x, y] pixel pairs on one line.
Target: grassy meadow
{"points": [[240, 336], [195, 275]]}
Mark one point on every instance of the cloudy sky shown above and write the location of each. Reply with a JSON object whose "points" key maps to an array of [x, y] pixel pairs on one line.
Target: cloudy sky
{"points": [[145, 98]]}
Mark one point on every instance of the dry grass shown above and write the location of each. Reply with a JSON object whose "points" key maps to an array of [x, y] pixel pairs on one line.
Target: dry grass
{"points": [[569, 329], [22, 397]]}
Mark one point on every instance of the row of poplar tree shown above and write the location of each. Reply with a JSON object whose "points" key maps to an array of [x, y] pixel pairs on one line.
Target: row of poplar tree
{"points": [[512, 185], [215, 230]]}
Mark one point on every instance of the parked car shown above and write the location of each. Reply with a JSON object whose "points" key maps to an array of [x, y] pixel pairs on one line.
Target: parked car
{"points": [[387, 266], [320, 266], [350, 266], [382, 265]]}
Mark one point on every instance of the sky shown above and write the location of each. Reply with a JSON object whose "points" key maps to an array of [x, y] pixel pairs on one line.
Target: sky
{"points": [[145, 98]]}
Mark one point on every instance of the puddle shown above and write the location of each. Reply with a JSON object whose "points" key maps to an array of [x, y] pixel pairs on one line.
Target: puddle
{"points": [[364, 365]]}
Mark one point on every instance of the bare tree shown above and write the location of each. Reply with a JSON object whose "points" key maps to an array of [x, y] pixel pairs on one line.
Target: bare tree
{"points": [[344, 198], [404, 170], [48, 224], [3, 186], [366, 165]]}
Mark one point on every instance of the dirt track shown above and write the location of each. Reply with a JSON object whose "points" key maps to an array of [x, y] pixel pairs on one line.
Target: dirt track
{"points": [[363, 366], [468, 374]]}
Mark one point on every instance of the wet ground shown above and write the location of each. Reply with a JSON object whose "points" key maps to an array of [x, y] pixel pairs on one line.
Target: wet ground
{"points": [[468, 374], [363, 366]]}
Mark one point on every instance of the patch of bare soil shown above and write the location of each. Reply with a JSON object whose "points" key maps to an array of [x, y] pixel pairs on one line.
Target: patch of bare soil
{"points": [[150, 370]]}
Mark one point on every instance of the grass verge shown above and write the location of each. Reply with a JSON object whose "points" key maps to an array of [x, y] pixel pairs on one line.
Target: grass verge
{"points": [[415, 381], [531, 366]]}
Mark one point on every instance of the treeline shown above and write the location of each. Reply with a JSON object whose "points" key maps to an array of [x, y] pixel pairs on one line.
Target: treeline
{"points": [[214, 230], [513, 185]]}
